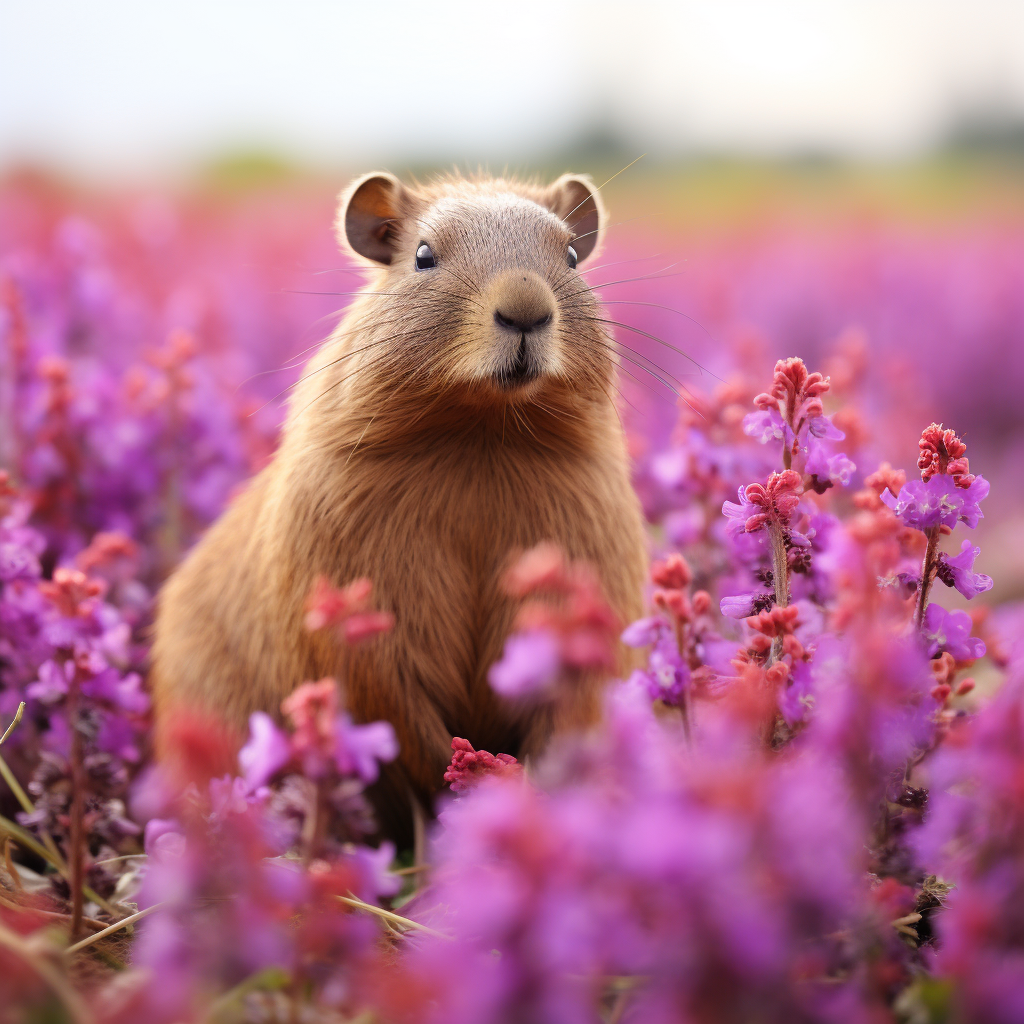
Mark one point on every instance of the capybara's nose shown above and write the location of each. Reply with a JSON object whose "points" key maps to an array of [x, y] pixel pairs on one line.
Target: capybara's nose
{"points": [[522, 302], [522, 323]]}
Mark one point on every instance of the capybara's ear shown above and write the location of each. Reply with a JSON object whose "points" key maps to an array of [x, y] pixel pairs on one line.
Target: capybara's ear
{"points": [[574, 199], [370, 213]]}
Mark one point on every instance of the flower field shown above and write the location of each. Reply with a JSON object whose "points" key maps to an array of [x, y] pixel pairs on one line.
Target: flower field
{"points": [[805, 804]]}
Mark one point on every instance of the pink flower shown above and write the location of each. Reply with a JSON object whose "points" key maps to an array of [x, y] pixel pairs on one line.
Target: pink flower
{"points": [[469, 766], [109, 550], [347, 610], [672, 574], [795, 393], [541, 568], [324, 737], [738, 512], [566, 623], [313, 708], [777, 621], [774, 501], [72, 592], [942, 453], [886, 478]]}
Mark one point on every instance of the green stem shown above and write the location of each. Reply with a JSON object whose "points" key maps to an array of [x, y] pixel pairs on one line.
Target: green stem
{"points": [[52, 856], [28, 807], [19, 793]]}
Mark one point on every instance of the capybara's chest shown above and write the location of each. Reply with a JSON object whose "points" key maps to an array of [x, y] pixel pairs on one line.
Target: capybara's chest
{"points": [[436, 532]]}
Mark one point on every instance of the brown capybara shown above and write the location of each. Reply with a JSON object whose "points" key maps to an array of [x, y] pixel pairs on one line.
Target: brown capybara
{"points": [[461, 412]]}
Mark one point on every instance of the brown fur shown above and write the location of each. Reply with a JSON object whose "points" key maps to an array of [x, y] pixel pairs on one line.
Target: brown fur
{"points": [[405, 459]]}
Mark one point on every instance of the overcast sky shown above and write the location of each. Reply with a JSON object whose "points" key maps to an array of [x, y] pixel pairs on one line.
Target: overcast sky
{"points": [[129, 86]]}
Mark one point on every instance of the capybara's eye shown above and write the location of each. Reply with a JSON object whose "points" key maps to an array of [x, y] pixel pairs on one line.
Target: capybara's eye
{"points": [[572, 257], [425, 258]]}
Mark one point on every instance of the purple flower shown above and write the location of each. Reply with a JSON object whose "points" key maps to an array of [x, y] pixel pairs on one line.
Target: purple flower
{"points": [[797, 697], [267, 751], [642, 855], [956, 571], [117, 735], [666, 677], [739, 606], [163, 838], [837, 468], [375, 866], [972, 498], [684, 526], [644, 632], [361, 747], [924, 505], [52, 684], [286, 881], [938, 502], [951, 631], [17, 563], [823, 427], [530, 664], [766, 425], [737, 514], [669, 468], [228, 795]]}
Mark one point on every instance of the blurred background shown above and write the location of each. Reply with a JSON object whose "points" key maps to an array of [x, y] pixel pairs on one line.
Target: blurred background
{"points": [[840, 180], [114, 88]]}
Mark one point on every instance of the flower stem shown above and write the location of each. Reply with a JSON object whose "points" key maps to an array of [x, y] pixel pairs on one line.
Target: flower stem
{"points": [[780, 579], [684, 702], [13, 725], [76, 839], [927, 574], [315, 824], [20, 795], [48, 851]]}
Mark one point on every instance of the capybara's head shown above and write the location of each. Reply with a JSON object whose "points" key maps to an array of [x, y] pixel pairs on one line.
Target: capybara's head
{"points": [[477, 299]]}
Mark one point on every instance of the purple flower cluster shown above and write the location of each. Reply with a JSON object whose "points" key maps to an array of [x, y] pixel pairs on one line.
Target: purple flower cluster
{"points": [[71, 656], [124, 336], [973, 838], [946, 494], [667, 675], [766, 823], [938, 502], [676, 882], [247, 876]]}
